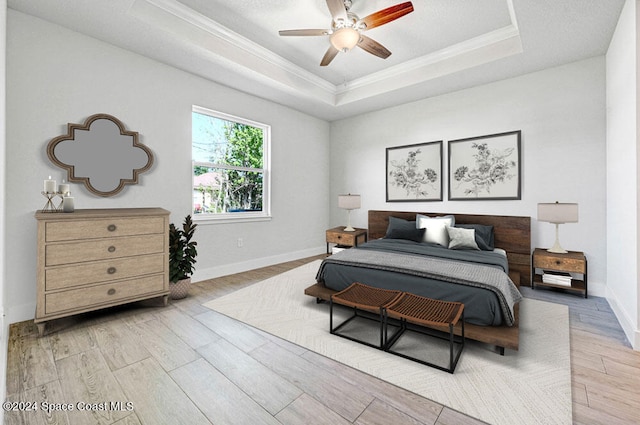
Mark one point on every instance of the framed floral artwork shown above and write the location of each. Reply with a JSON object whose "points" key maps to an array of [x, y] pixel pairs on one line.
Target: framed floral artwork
{"points": [[414, 172], [485, 167]]}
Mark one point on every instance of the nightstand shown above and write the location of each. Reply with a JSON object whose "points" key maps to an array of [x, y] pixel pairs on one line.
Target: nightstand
{"points": [[338, 236], [571, 262]]}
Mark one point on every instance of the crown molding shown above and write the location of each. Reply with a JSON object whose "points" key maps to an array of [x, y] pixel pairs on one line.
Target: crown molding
{"points": [[229, 46], [251, 60], [485, 48]]}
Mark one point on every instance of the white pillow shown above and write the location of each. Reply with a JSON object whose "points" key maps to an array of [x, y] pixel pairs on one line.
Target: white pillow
{"points": [[460, 238], [436, 228]]}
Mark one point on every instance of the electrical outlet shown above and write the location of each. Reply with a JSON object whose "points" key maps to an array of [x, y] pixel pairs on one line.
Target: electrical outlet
{"points": [[240, 242]]}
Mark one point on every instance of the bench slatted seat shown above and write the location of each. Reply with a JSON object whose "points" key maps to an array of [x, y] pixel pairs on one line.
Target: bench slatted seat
{"points": [[427, 313], [362, 298]]}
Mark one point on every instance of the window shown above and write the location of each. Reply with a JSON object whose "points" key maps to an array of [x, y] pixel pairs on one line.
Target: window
{"points": [[230, 158]]}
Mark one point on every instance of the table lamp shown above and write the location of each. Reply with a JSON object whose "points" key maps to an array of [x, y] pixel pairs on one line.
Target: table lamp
{"points": [[349, 202], [558, 213]]}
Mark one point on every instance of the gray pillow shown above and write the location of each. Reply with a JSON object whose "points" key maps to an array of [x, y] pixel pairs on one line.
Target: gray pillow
{"points": [[414, 234], [403, 229], [484, 235], [460, 238]]}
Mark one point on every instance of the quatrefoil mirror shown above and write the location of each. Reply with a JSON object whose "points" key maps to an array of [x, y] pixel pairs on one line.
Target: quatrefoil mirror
{"points": [[100, 153]]}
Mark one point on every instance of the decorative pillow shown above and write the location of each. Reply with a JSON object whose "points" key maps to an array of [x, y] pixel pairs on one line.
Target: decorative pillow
{"points": [[396, 223], [484, 235], [403, 229], [414, 234], [436, 228], [460, 238]]}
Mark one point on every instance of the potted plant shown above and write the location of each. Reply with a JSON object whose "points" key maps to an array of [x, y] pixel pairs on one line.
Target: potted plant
{"points": [[182, 257]]}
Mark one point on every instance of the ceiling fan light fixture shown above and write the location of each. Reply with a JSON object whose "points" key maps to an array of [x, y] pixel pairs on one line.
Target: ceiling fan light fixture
{"points": [[344, 39]]}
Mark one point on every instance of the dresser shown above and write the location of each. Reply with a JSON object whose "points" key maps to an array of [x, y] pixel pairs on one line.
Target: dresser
{"points": [[96, 258]]}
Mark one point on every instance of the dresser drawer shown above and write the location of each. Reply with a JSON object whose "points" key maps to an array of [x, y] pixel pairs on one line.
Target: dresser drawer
{"points": [[341, 238], [57, 231], [103, 249], [103, 271], [84, 298], [562, 263]]}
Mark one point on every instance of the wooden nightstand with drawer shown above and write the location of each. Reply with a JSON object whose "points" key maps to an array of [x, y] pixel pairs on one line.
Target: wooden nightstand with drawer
{"points": [[92, 259], [572, 263], [339, 236]]}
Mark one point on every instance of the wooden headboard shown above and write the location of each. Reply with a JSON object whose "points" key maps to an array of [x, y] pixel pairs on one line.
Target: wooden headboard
{"points": [[512, 233]]}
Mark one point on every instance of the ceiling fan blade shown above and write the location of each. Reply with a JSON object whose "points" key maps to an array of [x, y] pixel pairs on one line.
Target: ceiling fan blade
{"points": [[387, 15], [369, 45], [305, 32], [328, 57], [337, 9]]}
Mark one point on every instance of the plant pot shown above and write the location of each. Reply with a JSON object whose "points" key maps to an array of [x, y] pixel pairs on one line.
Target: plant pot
{"points": [[180, 289]]}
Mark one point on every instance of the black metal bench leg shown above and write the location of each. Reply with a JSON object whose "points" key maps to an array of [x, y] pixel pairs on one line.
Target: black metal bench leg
{"points": [[382, 328], [330, 315], [450, 347]]}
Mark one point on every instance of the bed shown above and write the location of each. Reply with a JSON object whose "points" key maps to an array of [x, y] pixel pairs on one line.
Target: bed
{"points": [[491, 314]]}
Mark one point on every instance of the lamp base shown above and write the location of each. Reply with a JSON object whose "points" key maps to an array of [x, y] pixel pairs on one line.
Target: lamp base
{"points": [[349, 228], [556, 248]]}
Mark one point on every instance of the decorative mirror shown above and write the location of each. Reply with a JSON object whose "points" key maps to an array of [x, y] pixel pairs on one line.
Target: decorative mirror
{"points": [[100, 153]]}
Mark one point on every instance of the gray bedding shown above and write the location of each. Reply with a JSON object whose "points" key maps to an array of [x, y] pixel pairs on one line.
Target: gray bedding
{"points": [[476, 278]]}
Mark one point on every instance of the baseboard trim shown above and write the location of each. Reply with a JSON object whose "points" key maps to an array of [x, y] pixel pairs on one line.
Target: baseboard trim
{"points": [[628, 326], [27, 311], [597, 289], [255, 263]]}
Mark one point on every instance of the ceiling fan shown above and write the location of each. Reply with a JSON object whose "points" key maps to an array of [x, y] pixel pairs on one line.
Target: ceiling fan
{"points": [[347, 28]]}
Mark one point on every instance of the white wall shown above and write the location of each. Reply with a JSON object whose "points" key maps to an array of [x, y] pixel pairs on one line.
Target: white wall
{"points": [[622, 172], [56, 76], [561, 114]]}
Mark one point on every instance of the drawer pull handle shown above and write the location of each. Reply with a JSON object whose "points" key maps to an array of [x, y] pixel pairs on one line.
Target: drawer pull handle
{"points": [[111, 270], [111, 227], [558, 262], [111, 291], [111, 249]]}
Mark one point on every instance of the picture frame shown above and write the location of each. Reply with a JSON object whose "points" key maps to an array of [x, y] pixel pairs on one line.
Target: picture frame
{"points": [[414, 172], [485, 167]]}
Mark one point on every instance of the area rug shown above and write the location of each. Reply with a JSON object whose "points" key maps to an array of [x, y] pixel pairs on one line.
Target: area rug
{"points": [[529, 386]]}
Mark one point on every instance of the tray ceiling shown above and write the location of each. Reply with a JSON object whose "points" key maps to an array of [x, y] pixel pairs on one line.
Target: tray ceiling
{"points": [[443, 46]]}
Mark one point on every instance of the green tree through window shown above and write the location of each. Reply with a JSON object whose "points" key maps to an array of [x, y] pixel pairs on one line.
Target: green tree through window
{"points": [[230, 155]]}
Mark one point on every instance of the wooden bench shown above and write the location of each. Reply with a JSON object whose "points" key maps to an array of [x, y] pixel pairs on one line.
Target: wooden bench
{"points": [[385, 305], [362, 298], [430, 314], [501, 337]]}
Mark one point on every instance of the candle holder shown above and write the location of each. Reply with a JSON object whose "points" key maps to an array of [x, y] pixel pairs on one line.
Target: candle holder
{"points": [[51, 206]]}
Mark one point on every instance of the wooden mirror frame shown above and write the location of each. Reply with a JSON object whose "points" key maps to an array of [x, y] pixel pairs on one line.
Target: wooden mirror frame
{"points": [[71, 168]]}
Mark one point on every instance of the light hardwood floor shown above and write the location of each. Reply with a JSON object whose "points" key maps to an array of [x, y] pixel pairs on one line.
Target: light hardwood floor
{"points": [[187, 364]]}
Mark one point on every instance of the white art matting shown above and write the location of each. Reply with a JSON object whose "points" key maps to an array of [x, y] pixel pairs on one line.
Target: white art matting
{"points": [[530, 386]]}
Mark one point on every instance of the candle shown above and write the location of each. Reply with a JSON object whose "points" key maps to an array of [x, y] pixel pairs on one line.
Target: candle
{"points": [[50, 186], [67, 204], [63, 187]]}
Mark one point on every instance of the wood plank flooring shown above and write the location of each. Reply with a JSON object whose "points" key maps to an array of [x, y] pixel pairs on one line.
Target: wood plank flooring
{"points": [[148, 364]]}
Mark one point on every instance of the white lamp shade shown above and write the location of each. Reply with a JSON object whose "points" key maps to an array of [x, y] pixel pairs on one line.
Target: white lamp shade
{"points": [[558, 213], [345, 39], [349, 202]]}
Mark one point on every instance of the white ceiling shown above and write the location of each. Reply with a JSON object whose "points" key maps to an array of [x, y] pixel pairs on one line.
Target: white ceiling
{"points": [[443, 46]]}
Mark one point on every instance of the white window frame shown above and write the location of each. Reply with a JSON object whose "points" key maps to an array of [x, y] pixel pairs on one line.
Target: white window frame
{"points": [[229, 217]]}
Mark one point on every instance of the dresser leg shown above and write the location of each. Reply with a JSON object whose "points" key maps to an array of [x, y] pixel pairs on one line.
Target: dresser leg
{"points": [[41, 326], [165, 299]]}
